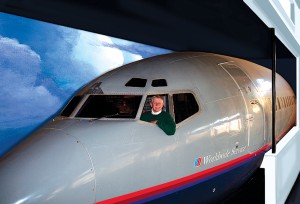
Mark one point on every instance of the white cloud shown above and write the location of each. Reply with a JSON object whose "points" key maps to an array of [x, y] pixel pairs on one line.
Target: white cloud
{"points": [[22, 102], [129, 57], [19, 58], [138, 48], [90, 50], [77, 57]]}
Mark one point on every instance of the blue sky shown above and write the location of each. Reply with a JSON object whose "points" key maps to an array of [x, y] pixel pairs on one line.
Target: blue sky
{"points": [[42, 65]]}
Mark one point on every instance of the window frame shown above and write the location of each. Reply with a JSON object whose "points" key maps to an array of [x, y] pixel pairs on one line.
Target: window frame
{"points": [[171, 103], [191, 116], [86, 97]]}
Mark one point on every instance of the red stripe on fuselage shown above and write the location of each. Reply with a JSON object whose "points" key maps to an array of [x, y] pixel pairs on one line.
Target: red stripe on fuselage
{"points": [[148, 192], [138, 195]]}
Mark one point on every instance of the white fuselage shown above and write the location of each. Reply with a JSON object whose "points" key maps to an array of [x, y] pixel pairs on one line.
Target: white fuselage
{"points": [[222, 109]]}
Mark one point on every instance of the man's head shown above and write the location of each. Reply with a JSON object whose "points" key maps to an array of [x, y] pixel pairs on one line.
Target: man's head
{"points": [[157, 103]]}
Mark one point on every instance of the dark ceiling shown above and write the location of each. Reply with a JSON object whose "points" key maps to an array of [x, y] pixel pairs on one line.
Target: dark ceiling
{"points": [[219, 26]]}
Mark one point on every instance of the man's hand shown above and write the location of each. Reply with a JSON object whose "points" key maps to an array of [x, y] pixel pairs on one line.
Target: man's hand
{"points": [[154, 121]]}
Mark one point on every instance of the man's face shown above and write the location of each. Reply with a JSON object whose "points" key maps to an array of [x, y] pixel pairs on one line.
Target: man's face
{"points": [[157, 104]]}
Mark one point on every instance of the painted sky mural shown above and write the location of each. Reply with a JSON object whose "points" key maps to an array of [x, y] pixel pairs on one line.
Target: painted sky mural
{"points": [[42, 65]]}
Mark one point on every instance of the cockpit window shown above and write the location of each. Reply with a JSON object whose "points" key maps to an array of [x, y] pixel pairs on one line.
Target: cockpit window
{"points": [[71, 106], [182, 107], [185, 105], [159, 82], [110, 106], [147, 106], [136, 82]]}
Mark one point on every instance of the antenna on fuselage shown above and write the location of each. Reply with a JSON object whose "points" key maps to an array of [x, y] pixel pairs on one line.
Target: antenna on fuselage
{"points": [[273, 89]]}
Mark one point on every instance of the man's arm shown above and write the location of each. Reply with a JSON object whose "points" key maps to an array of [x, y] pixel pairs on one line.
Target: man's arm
{"points": [[167, 124]]}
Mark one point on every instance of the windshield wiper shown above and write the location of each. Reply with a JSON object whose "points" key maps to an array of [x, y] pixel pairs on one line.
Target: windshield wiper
{"points": [[109, 116]]}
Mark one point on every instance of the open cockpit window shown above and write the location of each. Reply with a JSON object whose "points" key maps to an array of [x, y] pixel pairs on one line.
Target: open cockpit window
{"points": [[147, 106], [110, 106], [182, 107]]}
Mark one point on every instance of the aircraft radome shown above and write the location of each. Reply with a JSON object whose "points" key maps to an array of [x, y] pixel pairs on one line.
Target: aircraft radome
{"points": [[99, 151]]}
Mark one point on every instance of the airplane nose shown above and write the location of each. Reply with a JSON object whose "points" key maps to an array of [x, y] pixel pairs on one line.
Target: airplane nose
{"points": [[49, 167]]}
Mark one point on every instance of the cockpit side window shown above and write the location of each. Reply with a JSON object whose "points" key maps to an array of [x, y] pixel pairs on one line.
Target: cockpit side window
{"points": [[157, 115], [110, 106], [147, 106], [185, 105]]}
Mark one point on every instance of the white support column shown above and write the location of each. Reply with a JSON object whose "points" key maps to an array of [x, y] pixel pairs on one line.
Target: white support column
{"points": [[282, 168], [297, 20]]}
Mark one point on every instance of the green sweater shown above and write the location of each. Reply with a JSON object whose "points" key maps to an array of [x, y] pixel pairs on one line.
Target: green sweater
{"points": [[164, 121]]}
